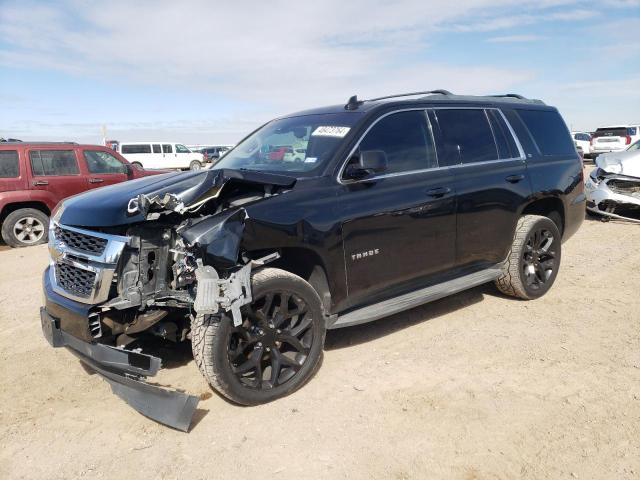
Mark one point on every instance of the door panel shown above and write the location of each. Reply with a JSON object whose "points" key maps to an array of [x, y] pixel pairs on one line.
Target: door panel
{"points": [[103, 168], [398, 226], [168, 156], [394, 231], [489, 196], [491, 181], [57, 172]]}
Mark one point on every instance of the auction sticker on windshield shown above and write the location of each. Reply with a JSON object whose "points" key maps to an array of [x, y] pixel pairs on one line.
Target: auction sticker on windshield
{"points": [[330, 131]]}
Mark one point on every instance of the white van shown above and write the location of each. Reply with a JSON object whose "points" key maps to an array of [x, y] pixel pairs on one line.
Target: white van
{"points": [[160, 155]]}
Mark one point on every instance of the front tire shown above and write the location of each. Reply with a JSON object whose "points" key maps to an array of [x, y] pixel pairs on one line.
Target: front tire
{"points": [[25, 227], [534, 260], [195, 165], [276, 349]]}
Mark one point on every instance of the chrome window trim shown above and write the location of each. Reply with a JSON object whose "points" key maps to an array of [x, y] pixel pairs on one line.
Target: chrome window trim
{"points": [[522, 156], [342, 181]]}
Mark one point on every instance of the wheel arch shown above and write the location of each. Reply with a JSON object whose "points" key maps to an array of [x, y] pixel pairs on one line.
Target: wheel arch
{"points": [[308, 265], [545, 207], [12, 207]]}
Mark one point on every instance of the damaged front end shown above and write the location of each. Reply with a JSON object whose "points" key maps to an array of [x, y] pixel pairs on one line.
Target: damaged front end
{"points": [[108, 288], [613, 189]]}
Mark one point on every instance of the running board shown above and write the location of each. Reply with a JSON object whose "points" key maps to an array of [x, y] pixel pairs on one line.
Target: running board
{"points": [[418, 297]]}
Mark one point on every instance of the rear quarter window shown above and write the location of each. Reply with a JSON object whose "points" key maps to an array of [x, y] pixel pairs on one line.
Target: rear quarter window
{"points": [[9, 164], [548, 131]]}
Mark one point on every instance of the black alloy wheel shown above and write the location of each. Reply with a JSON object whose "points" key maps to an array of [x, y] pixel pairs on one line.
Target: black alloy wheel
{"points": [[274, 341], [274, 351], [539, 258]]}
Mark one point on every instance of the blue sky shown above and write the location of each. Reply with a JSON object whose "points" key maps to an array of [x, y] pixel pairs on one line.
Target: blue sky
{"points": [[203, 72]]}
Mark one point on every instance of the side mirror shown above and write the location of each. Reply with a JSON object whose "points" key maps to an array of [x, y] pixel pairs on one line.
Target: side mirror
{"points": [[369, 162]]}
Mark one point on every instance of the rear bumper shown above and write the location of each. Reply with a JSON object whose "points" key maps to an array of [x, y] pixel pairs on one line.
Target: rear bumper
{"points": [[124, 370]]}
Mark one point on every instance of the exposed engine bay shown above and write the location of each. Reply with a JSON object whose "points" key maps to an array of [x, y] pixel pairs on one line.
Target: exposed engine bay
{"points": [[183, 259], [613, 188]]}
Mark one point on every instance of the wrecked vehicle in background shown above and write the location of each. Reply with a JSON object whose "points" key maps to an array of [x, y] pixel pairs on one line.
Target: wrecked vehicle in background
{"points": [[320, 220], [613, 187]]}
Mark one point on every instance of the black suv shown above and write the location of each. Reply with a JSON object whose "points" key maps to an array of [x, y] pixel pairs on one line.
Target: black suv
{"points": [[387, 204]]}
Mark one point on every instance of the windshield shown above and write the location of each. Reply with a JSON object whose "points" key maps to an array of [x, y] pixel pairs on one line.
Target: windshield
{"points": [[294, 144]]}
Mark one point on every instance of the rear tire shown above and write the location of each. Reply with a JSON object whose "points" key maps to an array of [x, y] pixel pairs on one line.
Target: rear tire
{"points": [[25, 227], [274, 352], [534, 259]]}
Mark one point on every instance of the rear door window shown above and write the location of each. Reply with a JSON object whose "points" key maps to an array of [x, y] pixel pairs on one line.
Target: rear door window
{"points": [[466, 136], [548, 131], [405, 139], [166, 148], [103, 162], [53, 162], [9, 164]]}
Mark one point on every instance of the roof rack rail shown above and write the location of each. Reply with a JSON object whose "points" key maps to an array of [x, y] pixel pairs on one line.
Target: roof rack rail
{"points": [[510, 95], [354, 103]]}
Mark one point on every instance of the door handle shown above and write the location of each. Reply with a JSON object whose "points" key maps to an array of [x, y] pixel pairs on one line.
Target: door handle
{"points": [[38, 183], [96, 180], [514, 178], [438, 192]]}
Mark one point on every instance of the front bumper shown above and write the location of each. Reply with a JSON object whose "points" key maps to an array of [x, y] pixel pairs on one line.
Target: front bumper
{"points": [[63, 321], [601, 200]]}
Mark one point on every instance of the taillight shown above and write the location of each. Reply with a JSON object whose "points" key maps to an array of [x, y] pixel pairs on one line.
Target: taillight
{"points": [[628, 140]]}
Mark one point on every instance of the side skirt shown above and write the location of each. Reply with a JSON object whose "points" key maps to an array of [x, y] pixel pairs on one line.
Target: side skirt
{"points": [[415, 298]]}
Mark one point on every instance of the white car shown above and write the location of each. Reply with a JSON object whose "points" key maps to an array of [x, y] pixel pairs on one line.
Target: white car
{"points": [[583, 140], [614, 139], [160, 155]]}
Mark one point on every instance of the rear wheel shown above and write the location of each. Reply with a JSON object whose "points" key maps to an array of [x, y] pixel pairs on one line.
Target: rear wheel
{"points": [[533, 262], [195, 165], [25, 227], [274, 351]]}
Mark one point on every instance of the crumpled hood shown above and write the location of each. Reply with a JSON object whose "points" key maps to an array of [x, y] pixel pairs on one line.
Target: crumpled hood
{"points": [[621, 163], [112, 205]]}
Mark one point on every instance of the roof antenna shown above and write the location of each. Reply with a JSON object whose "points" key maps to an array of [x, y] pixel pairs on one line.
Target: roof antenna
{"points": [[353, 103]]}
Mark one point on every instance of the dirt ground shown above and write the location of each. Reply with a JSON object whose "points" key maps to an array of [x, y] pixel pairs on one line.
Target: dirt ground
{"points": [[475, 386]]}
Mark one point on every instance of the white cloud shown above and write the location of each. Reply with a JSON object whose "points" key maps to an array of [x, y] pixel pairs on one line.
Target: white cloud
{"points": [[267, 58], [516, 39]]}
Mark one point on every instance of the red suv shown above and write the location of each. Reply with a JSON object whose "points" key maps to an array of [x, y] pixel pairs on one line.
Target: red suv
{"points": [[34, 177]]}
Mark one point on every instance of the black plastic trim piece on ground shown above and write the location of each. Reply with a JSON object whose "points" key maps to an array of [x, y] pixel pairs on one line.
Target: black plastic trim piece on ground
{"points": [[125, 372]]}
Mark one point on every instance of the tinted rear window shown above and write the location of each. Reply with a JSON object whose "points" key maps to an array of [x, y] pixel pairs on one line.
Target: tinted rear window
{"points": [[53, 162], [9, 166], [548, 131], [611, 132], [146, 148]]}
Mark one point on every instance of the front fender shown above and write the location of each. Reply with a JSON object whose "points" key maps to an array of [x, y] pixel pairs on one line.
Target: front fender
{"points": [[217, 238]]}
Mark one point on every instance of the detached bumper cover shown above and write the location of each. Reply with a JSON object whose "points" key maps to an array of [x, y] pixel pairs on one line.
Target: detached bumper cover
{"points": [[125, 371]]}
